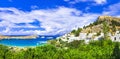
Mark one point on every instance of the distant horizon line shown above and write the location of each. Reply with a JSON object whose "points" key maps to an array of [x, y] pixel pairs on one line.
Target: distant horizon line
{"points": [[30, 35]]}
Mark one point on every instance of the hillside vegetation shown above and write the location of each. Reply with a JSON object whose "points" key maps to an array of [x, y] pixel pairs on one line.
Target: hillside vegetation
{"points": [[104, 49], [113, 24]]}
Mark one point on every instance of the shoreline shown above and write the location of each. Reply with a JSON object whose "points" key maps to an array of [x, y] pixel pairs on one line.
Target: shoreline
{"points": [[2, 37], [22, 47], [32, 43]]}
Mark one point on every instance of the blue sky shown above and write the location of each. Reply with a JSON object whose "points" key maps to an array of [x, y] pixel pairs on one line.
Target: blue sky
{"points": [[52, 17]]}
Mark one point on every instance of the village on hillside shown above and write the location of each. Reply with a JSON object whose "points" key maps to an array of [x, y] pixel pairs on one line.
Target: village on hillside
{"points": [[104, 26]]}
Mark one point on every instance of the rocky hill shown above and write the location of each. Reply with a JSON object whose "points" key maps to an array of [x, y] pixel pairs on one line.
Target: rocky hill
{"points": [[112, 22], [108, 18]]}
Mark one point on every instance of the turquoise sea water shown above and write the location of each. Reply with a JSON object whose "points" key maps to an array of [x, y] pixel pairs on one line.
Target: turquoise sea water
{"points": [[27, 42]]}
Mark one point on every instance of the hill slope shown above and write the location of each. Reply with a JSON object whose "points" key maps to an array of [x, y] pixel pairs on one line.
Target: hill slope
{"points": [[97, 26]]}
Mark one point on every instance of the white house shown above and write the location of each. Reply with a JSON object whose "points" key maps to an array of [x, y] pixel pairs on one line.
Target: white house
{"points": [[116, 37], [90, 36]]}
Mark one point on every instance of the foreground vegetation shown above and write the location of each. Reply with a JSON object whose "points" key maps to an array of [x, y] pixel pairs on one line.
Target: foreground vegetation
{"points": [[103, 49]]}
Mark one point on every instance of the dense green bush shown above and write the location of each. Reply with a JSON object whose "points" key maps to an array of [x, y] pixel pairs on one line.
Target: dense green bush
{"points": [[103, 49], [76, 32]]}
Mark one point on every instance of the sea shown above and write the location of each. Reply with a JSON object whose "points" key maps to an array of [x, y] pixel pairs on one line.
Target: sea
{"points": [[41, 40]]}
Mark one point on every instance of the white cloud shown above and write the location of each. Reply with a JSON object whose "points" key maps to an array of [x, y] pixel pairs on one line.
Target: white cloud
{"points": [[54, 21], [99, 2], [113, 10], [34, 7]]}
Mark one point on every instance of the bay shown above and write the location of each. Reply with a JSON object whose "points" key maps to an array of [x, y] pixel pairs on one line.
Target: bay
{"points": [[27, 42]]}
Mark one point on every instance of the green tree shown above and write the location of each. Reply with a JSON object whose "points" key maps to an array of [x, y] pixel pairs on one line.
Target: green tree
{"points": [[116, 51], [105, 30]]}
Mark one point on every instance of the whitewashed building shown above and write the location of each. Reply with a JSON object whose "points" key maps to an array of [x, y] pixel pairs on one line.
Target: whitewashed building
{"points": [[91, 36], [116, 37]]}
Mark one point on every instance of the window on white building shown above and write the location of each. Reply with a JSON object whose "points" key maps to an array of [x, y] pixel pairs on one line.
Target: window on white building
{"points": [[115, 38]]}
